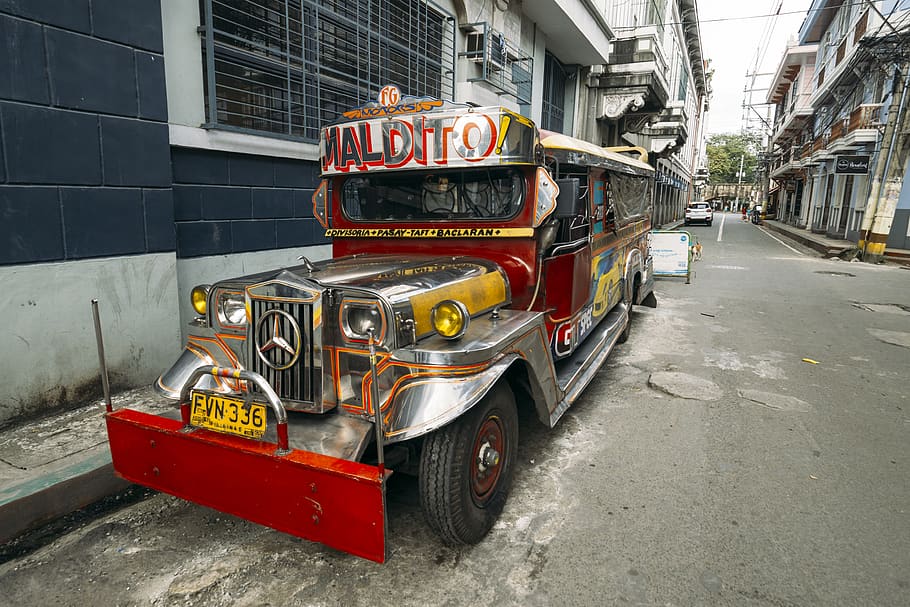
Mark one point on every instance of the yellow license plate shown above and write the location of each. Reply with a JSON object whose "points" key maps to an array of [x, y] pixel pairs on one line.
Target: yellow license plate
{"points": [[227, 414]]}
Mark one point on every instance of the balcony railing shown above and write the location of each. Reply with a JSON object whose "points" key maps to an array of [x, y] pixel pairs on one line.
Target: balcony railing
{"points": [[837, 130], [805, 150], [866, 116], [820, 143]]}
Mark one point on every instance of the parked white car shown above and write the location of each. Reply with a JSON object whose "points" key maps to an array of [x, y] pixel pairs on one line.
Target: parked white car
{"points": [[699, 212]]}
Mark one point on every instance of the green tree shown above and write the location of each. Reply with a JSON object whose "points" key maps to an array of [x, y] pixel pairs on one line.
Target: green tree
{"points": [[725, 151]]}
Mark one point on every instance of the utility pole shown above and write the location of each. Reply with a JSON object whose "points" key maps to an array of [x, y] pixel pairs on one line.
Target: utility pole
{"points": [[765, 163], [892, 160], [740, 182]]}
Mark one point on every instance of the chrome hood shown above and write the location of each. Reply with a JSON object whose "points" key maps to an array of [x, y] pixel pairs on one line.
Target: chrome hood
{"points": [[413, 286]]}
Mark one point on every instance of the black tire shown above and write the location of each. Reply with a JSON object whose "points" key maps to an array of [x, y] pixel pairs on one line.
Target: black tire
{"points": [[709, 224], [461, 495]]}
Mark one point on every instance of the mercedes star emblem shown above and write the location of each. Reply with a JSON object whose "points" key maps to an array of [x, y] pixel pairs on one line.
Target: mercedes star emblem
{"points": [[278, 339]]}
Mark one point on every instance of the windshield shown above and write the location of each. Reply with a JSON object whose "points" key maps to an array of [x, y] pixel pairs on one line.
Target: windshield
{"points": [[465, 194]]}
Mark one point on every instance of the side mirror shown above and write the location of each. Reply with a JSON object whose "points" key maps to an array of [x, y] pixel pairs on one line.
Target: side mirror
{"points": [[321, 203]]}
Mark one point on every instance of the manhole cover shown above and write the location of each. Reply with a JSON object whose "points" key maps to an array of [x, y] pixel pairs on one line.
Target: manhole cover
{"points": [[829, 273]]}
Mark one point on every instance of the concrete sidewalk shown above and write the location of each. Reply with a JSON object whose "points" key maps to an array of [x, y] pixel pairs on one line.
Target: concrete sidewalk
{"points": [[59, 464], [829, 247]]}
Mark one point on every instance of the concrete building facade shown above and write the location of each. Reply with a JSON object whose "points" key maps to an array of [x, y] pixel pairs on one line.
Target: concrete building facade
{"points": [[147, 146]]}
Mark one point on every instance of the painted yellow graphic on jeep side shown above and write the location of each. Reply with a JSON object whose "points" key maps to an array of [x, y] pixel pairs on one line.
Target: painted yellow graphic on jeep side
{"points": [[607, 276]]}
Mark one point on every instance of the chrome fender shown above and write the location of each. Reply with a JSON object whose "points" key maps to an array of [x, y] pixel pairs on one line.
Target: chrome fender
{"points": [[518, 339], [426, 405], [636, 263], [633, 264], [199, 352]]}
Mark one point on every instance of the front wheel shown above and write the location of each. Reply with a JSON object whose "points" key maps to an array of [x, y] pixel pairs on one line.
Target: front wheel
{"points": [[466, 469]]}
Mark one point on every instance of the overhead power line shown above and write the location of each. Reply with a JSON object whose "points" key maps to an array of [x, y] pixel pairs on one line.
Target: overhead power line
{"points": [[727, 19]]}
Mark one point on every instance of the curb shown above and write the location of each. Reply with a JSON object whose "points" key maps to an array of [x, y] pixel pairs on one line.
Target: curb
{"points": [[74, 485], [829, 250]]}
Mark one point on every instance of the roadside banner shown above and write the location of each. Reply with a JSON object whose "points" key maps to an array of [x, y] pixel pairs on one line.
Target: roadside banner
{"points": [[670, 252]]}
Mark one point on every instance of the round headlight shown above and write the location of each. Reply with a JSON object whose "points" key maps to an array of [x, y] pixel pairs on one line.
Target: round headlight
{"points": [[359, 319], [231, 308], [362, 320], [450, 319], [199, 297]]}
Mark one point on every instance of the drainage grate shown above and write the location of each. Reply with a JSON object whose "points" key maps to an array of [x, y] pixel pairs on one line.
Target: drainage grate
{"points": [[829, 273]]}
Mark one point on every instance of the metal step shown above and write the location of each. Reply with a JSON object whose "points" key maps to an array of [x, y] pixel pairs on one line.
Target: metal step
{"points": [[574, 373]]}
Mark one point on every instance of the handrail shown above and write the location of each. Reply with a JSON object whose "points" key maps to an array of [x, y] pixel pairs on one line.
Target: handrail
{"points": [[642, 152], [568, 247]]}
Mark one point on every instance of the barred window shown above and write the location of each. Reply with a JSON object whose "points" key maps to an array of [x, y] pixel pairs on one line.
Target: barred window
{"points": [[554, 95], [290, 66]]}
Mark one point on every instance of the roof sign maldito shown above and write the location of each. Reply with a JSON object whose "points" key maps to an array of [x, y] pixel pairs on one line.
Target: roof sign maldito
{"points": [[441, 139]]}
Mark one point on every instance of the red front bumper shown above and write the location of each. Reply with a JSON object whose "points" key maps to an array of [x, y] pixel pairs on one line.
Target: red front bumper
{"points": [[336, 502]]}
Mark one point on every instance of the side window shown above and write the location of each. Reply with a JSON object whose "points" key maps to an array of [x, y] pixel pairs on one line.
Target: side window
{"points": [[610, 212], [601, 211]]}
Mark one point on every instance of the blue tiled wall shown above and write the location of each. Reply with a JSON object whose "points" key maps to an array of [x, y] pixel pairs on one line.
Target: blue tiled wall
{"points": [[233, 203], [84, 155]]}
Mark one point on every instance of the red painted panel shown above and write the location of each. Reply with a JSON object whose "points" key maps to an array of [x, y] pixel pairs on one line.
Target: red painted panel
{"points": [[332, 501], [557, 276]]}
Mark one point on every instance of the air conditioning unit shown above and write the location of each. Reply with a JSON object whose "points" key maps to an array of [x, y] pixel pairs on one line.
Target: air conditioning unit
{"points": [[495, 45], [475, 46]]}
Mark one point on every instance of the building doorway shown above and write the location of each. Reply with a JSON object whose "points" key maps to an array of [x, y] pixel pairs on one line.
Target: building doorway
{"points": [[822, 224], [845, 206]]}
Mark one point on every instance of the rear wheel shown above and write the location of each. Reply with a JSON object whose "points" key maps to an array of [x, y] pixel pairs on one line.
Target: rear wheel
{"points": [[629, 300], [466, 469]]}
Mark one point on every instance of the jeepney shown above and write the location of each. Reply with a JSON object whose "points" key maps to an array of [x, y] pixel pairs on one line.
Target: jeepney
{"points": [[479, 265]]}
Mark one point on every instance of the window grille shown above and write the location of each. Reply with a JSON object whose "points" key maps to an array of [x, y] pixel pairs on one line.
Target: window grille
{"points": [[288, 67], [683, 82], [553, 113]]}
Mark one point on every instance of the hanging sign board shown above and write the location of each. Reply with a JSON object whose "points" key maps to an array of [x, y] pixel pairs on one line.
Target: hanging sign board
{"points": [[852, 165], [670, 253]]}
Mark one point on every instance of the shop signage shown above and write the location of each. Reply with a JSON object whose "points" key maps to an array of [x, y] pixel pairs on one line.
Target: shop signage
{"points": [[853, 165]]}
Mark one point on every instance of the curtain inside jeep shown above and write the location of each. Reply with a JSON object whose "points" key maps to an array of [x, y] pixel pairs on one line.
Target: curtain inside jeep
{"points": [[631, 196]]}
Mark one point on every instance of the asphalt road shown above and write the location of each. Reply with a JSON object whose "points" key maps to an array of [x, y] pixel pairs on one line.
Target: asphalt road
{"points": [[708, 464]]}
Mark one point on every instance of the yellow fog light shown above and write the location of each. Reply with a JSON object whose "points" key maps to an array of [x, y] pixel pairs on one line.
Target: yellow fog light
{"points": [[450, 319], [199, 297]]}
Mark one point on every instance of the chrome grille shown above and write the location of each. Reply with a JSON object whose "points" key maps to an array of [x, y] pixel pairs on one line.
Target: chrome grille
{"points": [[291, 378]]}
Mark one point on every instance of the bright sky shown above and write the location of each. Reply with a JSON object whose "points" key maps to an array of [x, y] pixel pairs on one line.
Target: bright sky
{"points": [[732, 41]]}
